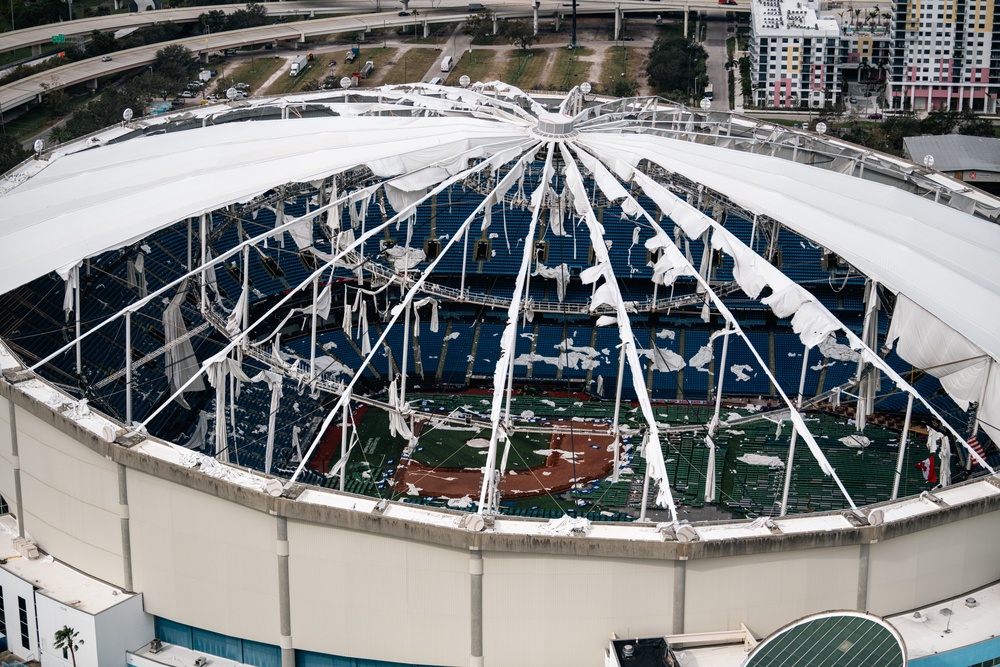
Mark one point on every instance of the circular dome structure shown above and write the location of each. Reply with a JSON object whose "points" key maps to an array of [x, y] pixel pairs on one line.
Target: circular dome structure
{"points": [[455, 340]]}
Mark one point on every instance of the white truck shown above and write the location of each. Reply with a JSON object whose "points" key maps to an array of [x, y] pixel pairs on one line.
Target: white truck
{"points": [[298, 65]]}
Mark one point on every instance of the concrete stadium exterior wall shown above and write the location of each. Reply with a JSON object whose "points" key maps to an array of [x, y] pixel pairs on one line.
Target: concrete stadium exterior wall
{"points": [[213, 554]]}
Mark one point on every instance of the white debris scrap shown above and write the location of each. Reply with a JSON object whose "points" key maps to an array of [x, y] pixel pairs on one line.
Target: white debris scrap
{"points": [[567, 525], [855, 441], [761, 460]]}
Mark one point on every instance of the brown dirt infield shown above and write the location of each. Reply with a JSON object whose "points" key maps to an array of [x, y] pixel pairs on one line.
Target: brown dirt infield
{"points": [[577, 457]]}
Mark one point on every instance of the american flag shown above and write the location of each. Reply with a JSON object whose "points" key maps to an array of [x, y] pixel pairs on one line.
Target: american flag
{"points": [[974, 443]]}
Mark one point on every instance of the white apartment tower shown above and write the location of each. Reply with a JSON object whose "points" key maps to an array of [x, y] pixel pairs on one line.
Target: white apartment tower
{"points": [[793, 54], [945, 56]]}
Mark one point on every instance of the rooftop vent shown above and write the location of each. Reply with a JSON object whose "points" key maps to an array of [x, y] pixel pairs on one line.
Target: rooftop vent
{"points": [[554, 125]]}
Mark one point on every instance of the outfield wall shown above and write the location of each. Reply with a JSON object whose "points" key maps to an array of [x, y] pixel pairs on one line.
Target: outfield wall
{"points": [[319, 571]]}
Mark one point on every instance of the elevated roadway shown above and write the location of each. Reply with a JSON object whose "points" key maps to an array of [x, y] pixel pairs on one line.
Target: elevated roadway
{"points": [[42, 34], [443, 11]]}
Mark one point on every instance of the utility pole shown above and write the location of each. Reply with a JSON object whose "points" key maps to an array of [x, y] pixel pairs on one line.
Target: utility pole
{"points": [[573, 42]]}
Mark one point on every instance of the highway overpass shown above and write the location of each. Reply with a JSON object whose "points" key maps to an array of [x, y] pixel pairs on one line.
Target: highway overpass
{"points": [[437, 11], [38, 35]]}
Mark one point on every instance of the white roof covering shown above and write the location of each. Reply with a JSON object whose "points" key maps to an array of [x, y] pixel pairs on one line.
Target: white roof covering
{"points": [[83, 203], [943, 259], [107, 197]]}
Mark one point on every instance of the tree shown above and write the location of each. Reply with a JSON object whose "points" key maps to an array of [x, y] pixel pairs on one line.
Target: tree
{"points": [[173, 61], [676, 64], [480, 25], [624, 88], [974, 126], [214, 21], [11, 153], [254, 15], [522, 34], [101, 43], [67, 641]]}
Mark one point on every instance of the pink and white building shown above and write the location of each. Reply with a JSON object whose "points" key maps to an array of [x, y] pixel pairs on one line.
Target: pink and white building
{"points": [[945, 56], [793, 55]]}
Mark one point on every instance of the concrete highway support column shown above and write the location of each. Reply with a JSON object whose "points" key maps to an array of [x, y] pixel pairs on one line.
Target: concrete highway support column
{"points": [[15, 461], [36, 49], [284, 598], [123, 513], [476, 609], [496, 25], [427, 29], [204, 58], [680, 583], [687, 10], [92, 84], [618, 22], [534, 14], [558, 21]]}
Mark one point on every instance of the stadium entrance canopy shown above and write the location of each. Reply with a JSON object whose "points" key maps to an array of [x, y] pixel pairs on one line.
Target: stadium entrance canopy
{"points": [[919, 235]]}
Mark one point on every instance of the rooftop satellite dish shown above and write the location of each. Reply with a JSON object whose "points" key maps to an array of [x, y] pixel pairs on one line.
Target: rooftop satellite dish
{"points": [[821, 127], [39, 145], [928, 161], [705, 103], [585, 87], [127, 115], [345, 82], [231, 94], [464, 81]]}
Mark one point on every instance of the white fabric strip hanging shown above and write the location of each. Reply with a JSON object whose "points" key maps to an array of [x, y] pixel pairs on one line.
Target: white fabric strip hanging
{"points": [[560, 274], [417, 305], [180, 361], [531, 147], [609, 293]]}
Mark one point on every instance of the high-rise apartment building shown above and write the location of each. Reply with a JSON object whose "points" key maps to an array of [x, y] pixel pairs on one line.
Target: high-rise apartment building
{"points": [[945, 55], [793, 54]]}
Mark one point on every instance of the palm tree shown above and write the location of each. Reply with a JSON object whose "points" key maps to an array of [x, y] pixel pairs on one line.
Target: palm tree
{"points": [[67, 641]]}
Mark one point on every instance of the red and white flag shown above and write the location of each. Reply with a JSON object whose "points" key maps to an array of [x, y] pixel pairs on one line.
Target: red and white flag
{"points": [[927, 468], [976, 447]]}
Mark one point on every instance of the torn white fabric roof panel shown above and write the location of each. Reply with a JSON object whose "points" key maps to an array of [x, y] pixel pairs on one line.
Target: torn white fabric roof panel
{"points": [[85, 203], [887, 233]]}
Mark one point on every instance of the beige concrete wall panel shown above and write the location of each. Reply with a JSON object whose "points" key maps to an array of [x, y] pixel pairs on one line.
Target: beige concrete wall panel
{"points": [[766, 591], [6, 465], [530, 599], [408, 601], [59, 461], [202, 560], [71, 496], [933, 564]]}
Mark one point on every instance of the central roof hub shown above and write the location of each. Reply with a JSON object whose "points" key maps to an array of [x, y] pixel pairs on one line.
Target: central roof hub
{"points": [[555, 125]]}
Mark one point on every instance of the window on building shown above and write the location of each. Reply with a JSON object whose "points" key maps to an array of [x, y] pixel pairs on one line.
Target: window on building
{"points": [[22, 612], [3, 615]]}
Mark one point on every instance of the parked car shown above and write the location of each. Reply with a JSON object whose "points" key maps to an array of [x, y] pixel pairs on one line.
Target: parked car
{"points": [[187, 93], [854, 100], [875, 116]]}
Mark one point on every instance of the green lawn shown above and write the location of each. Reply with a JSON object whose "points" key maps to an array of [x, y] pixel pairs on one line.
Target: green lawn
{"points": [[525, 68], [410, 66], [620, 59], [447, 448], [253, 73], [375, 445], [315, 71], [569, 70], [480, 65]]}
